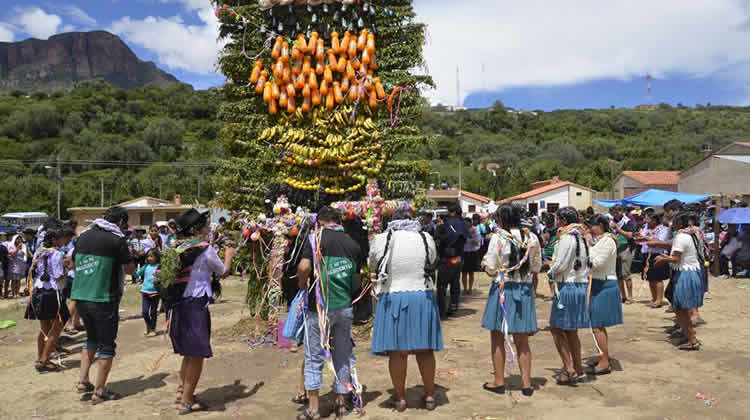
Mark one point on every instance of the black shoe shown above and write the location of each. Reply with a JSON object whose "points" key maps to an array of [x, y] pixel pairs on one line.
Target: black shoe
{"points": [[497, 389], [527, 392]]}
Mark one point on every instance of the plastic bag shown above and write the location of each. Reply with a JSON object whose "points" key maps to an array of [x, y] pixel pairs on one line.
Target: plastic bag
{"points": [[294, 325]]}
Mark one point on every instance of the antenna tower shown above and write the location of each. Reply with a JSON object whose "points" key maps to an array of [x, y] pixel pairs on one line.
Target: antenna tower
{"points": [[458, 87], [649, 79]]}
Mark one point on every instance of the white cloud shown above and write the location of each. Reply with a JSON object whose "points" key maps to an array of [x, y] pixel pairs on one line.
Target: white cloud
{"points": [[190, 4], [79, 15], [178, 45], [36, 22], [6, 33], [544, 43]]}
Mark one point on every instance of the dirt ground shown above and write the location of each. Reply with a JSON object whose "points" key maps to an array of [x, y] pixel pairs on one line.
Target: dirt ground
{"points": [[652, 380]]}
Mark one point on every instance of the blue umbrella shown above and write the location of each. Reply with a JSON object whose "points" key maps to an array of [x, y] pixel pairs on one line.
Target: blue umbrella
{"points": [[736, 216]]}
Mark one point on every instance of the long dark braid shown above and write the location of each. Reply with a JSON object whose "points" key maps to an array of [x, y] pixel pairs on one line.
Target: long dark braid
{"points": [[577, 265]]}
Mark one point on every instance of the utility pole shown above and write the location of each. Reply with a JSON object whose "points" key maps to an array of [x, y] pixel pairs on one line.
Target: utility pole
{"points": [[199, 185], [101, 181], [59, 186]]}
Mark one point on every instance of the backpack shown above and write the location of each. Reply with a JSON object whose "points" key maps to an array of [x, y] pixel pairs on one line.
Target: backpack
{"points": [[174, 272]]}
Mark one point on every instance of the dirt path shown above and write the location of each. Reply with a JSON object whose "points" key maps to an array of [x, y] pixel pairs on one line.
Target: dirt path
{"points": [[653, 380]]}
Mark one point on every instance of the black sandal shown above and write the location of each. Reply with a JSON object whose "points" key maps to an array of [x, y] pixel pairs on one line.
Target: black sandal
{"points": [[527, 392], [496, 389], [430, 403], [341, 410], [185, 408], [308, 415], [398, 405], [47, 367], [84, 387], [570, 378], [300, 399], [690, 347], [107, 395]]}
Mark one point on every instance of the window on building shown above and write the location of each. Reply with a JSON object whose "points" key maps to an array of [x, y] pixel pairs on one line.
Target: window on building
{"points": [[472, 208], [553, 207], [533, 208], [147, 219], [579, 194]]}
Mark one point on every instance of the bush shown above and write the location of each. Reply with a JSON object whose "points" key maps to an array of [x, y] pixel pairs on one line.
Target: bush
{"points": [[39, 95], [17, 93]]}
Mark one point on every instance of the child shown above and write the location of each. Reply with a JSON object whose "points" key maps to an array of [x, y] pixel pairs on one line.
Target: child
{"points": [[148, 290], [18, 255]]}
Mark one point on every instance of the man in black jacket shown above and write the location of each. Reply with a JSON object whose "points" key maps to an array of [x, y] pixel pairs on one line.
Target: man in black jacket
{"points": [[451, 236]]}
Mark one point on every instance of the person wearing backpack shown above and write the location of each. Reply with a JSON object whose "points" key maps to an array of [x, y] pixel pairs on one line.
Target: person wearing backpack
{"points": [[190, 319], [407, 319], [513, 258], [46, 303], [686, 258]]}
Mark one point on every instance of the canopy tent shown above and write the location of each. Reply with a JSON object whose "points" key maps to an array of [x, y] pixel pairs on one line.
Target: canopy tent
{"points": [[655, 198]]}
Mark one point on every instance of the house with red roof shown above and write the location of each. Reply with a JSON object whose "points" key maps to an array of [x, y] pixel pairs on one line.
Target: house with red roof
{"points": [[630, 183], [470, 202], [723, 173], [553, 194]]}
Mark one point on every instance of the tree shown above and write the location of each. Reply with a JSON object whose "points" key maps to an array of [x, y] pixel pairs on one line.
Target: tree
{"points": [[243, 178], [164, 132]]}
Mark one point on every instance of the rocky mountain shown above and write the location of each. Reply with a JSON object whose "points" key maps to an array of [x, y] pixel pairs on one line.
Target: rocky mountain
{"points": [[66, 59]]}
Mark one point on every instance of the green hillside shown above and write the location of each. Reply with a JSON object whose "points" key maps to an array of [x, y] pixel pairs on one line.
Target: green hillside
{"points": [[105, 133], [124, 137], [589, 147]]}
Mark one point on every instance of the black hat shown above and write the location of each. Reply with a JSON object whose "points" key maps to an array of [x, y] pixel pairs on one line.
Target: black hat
{"points": [[29, 231], [191, 219]]}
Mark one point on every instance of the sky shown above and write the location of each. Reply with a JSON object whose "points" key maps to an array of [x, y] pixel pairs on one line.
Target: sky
{"points": [[535, 54]]}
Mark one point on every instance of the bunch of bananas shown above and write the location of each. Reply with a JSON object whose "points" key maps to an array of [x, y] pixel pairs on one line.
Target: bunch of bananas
{"points": [[327, 150]]}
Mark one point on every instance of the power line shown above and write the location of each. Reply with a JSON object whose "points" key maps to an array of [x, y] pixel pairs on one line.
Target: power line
{"points": [[190, 164]]}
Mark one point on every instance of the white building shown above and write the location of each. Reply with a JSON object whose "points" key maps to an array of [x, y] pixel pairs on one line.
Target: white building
{"points": [[470, 202], [553, 195]]}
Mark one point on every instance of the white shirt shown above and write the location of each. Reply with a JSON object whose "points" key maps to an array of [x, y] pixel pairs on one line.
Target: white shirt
{"points": [[604, 259], [204, 265], [498, 254], [683, 243], [563, 269], [404, 262], [54, 263]]}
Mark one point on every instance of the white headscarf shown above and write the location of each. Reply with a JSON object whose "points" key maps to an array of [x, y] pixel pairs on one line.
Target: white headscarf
{"points": [[12, 245]]}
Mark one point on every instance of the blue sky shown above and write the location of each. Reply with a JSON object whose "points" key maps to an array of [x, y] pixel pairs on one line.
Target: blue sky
{"points": [[534, 54]]}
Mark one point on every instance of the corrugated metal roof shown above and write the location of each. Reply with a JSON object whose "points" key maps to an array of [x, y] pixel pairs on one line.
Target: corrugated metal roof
{"points": [[743, 159]]}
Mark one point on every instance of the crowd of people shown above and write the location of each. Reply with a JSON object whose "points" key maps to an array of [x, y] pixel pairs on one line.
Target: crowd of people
{"points": [[76, 283]]}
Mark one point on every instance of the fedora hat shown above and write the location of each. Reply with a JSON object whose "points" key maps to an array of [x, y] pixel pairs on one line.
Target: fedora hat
{"points": [[190, 219]]}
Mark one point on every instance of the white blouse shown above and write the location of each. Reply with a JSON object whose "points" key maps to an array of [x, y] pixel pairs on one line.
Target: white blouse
{"points": [[498, 254], [604, 259], [404, 261], [683, 243], [563, 269]]}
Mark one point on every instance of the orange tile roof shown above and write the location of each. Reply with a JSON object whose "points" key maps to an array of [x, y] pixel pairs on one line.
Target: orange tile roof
{"points": [[535, 192], [454, 194], [654, 177], [743, 144]]}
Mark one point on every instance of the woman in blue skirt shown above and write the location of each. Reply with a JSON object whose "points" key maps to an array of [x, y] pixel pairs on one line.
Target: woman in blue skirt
{"points": [[569, 271], [687, 271], [605, 303], [407, 319], [513, 257]]}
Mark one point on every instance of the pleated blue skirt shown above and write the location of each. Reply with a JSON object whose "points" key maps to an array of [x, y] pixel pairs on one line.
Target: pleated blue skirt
{"points": [[519, 306], [688, 289], [569, 311], [406, 321], [605, 304]]}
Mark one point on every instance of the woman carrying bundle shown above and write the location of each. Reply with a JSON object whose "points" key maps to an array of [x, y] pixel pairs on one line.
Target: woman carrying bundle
{"points": [[569, 271], [407, 318], [190, 324], [513, 257], [686, 259], [47, 304], [654, 232], [604, 300]]}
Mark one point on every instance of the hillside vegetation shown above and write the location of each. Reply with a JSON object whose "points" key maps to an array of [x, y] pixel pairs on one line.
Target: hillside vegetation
{"points": [[105, 133], [159, 142], [589, 147]]}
